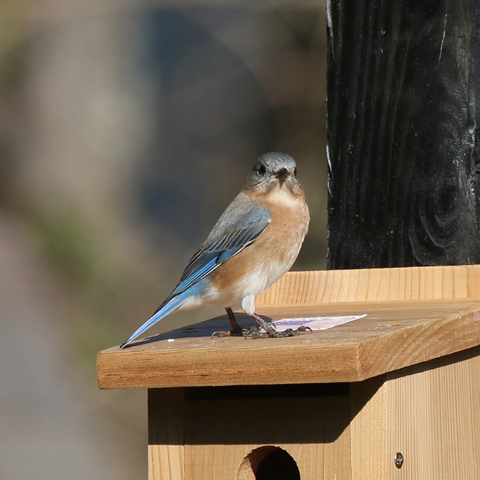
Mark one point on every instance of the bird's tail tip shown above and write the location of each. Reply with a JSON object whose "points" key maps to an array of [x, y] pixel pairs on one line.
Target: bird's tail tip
{"points": [[170, 307]]}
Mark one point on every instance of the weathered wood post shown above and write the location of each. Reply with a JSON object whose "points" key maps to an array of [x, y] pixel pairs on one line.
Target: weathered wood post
{"points": [[403, 132]]}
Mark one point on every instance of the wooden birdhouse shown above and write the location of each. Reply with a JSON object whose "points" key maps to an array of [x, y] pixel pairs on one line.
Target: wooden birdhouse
{"points": [[392, 395]]}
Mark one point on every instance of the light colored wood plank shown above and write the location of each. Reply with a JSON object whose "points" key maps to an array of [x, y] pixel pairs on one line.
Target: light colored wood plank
{"points": [[368, 430], [428, 412], [220, 434], [433, 418], [392, 336], [374, 285], [166, 451]]}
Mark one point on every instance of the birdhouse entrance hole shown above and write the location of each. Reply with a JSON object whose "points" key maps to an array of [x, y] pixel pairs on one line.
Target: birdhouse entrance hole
{"points": [[268, 463]]}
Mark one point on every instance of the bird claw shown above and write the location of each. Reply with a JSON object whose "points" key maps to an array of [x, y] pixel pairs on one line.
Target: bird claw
{"points": [[256, 332], [264, 330], [230, 333]]}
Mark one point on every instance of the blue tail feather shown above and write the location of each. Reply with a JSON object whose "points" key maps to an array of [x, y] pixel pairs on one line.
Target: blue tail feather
{"points": [[168, 308]]}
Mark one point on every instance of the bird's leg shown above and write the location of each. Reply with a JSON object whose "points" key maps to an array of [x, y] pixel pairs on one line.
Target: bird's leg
{"points": [[256, 330], [236, 330], [271, 331]]}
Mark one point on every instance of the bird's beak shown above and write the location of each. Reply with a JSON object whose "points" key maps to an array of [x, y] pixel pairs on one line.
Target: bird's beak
{"points": [[282, 175]]}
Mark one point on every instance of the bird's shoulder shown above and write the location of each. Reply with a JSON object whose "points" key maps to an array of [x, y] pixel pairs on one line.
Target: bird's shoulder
{"points": [[242, 215], [239, 225]]}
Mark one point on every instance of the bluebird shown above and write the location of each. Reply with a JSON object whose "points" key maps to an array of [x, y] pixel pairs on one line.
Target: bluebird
{"points": [[252, 245]]}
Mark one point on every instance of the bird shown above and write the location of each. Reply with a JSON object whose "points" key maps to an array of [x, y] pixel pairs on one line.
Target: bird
{"points": [[253, 244]]}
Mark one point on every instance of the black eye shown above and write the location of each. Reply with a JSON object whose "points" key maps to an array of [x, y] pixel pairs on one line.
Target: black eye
{"points": [[262, 170], [295, 173]]}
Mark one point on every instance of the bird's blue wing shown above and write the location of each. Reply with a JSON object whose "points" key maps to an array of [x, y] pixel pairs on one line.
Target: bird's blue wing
{"points": [[237, 228]]}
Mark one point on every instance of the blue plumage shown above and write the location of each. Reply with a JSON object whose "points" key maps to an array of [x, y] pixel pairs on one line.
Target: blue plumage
{"points": [[236, 229], [162, 312]]}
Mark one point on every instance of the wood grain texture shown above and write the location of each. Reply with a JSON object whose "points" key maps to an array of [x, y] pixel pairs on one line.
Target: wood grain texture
{"points": [[403, 143], [368, 427], [428, 412], [221, 433], [432, 418], [390, 337], [413, 315], [166, 450], [374, 285]]}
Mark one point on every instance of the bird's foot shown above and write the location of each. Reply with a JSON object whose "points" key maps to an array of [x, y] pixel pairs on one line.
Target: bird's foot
{"points": [[269, 330], [259, 332], [234, 332], [264, 329]]}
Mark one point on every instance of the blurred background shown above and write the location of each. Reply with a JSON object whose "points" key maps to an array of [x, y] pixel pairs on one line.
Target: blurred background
{"points": [[126, 128]]}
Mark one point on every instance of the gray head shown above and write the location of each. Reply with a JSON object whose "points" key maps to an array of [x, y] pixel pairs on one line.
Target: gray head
{"points": [[273, 170]]}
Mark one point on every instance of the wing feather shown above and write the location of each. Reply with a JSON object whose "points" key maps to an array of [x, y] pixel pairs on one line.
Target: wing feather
{"points": [[237, 228]]}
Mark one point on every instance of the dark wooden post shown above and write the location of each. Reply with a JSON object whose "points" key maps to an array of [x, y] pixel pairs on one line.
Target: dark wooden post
{"points": [[403, 90]]}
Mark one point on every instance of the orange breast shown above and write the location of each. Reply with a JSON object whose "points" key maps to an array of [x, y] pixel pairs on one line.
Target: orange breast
{"points": [[269, 256]]}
